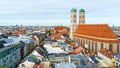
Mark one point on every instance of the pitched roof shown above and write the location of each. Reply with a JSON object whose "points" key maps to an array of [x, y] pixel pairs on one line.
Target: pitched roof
{"points": [[58, 31], [61, 28], [77, 50], [97, 32], [106, 52]]}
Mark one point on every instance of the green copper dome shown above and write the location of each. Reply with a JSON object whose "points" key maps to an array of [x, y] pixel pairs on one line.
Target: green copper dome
{"points": [[73, 10], [82, 10]]}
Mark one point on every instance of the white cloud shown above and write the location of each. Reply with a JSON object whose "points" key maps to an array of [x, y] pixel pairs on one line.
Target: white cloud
{"points": [[44, 10]]}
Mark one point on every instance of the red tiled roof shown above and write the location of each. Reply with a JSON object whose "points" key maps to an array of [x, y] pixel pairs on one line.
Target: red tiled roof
{"points": [[41, 65], [33, 37], [61, 28], [35, 65], [38, 65], [22, 31], [106, 52], [58, 30], [52, 30], [16, 32], [97, 32], [57, 36], [72, 43], [90, 54], [77, 50], [19, 31]]}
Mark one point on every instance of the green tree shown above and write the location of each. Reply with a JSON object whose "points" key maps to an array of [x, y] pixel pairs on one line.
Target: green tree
{"points": [[3, 66]]}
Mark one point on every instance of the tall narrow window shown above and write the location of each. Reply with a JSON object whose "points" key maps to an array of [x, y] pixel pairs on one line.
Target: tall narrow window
{"points": [[81, 41], [89, 45], [110, 47], [92, 46], [118, 47], [95, 46], [86, 42], [101, 46]]}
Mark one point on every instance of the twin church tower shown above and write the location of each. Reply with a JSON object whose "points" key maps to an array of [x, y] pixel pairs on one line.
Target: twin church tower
{"points": [[73, 23]]}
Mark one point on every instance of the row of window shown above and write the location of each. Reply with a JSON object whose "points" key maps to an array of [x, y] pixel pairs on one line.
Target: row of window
{"points": [[117, 64], [117, 59], [81, 16], [73, 20], [74, 16], [81, 21], [9, 57], [94, 44]]}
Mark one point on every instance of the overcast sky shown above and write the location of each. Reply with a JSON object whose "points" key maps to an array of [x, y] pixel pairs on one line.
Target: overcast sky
{"points": [[57, 12]]}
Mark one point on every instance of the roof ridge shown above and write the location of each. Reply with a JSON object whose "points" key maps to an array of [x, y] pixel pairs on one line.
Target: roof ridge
{"points": [[95, 30]]}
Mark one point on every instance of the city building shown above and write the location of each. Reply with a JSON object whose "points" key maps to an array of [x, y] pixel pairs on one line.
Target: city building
{"points": [[105, 58], [21, 31], [59, 57], [31, 60], [94, 37], [117, 59], [10, 56], [28, 45], [13, 49], [73, 23], [60, 32], [35, 39]]}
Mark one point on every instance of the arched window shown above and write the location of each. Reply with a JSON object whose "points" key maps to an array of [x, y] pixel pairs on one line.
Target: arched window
{"points": [[110, 47], [101, 45], [118, 47]]}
